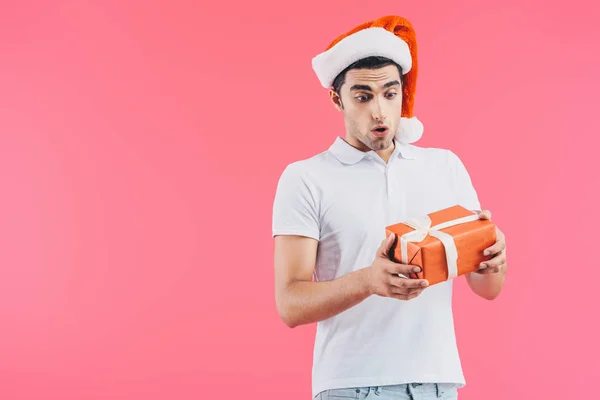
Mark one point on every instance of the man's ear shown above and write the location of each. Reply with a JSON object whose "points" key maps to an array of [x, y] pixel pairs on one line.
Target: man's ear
{"points": [[336, 99]]}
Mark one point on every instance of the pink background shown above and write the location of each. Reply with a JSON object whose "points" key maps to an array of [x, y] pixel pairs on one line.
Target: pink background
{"points": [[140, 146]]}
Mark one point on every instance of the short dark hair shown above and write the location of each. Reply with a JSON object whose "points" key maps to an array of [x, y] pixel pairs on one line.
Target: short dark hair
{"points": [[373, 62]]}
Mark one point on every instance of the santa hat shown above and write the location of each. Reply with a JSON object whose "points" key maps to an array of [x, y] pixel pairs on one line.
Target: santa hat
{"points": [[390, 36]]}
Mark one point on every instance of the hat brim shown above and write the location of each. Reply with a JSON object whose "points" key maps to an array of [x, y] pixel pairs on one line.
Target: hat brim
{"points": [[364, 43]]}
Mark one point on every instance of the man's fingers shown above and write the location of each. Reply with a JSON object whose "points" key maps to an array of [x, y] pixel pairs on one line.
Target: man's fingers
{"points": [[386, 245], [406, 297], [405, 283], [404, 269], [396, 290], [491, 270], [494, 262], [485, 214], [496, 248]]}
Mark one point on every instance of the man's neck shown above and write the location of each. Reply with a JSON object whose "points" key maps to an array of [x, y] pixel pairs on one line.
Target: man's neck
{"points": [[387, 153], [384, 154]]}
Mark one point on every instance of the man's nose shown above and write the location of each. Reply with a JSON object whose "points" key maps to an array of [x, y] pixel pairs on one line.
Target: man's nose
{"points": [[378, 113]]}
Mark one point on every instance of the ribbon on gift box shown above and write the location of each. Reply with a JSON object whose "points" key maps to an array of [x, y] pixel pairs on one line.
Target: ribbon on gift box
{"points": [[422, 227]]}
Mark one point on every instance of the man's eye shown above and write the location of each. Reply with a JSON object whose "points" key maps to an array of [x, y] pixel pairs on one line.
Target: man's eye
{"points": [[362, 98], [391, 95]]}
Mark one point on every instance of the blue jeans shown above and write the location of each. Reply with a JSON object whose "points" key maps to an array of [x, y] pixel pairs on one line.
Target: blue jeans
{"points": [[413, 391]]}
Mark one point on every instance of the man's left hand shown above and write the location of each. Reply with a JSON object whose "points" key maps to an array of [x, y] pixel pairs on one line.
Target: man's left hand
{"points": [[498, 251]]}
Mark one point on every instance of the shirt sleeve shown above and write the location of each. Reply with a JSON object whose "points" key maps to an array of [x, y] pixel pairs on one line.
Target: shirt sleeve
{"points": [[295, 207], [465, 192]]}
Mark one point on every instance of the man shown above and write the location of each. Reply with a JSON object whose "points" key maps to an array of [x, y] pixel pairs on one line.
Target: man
{"points": [[379, 336]]}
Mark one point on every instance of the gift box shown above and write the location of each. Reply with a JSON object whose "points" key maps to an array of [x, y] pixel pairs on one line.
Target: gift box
{"points": [[445, 244]]}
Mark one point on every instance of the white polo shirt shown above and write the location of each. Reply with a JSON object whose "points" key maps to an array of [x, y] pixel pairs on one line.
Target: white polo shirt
{"points": [[345, 198]]}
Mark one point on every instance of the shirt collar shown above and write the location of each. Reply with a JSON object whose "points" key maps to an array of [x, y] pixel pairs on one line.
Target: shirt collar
{"points": [[349, 154]]}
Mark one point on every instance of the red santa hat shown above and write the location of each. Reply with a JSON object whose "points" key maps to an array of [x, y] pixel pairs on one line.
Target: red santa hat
{"points": [[392, 37]]}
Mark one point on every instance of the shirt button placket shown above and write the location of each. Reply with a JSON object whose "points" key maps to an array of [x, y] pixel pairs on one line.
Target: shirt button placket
{"points": [[393, 193], [390, 182]]}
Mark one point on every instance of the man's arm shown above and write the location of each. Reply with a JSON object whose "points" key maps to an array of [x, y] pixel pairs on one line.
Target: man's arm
{"points": [[301, 301], [489, 280]]}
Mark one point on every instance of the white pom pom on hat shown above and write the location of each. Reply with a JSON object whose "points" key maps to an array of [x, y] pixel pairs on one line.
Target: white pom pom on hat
{"points": [[410, 130]]}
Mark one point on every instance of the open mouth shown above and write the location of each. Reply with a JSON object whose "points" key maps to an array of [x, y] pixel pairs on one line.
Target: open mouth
{"points": [[380, 131]]}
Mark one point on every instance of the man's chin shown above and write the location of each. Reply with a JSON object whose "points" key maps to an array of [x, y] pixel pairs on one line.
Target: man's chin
{"points": [[381, 143]]}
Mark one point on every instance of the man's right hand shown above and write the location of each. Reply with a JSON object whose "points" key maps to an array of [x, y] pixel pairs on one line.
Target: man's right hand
{"points": [[383, 279]]}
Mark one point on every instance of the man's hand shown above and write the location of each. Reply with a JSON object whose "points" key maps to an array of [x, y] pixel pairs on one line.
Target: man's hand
{"points": [[498, 251], [301, 301], [383, 278]]}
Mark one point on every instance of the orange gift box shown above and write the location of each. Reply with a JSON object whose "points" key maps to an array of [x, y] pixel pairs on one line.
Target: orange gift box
{"points": [[445, 244]]}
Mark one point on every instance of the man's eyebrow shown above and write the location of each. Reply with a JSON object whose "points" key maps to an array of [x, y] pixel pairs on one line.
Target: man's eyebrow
{"points": [[361, 87], [392, 83], [368, 88]]}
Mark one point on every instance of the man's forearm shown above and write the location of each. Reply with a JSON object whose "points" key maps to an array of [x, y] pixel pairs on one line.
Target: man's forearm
{"points": [[309, 302], [487, 286]]}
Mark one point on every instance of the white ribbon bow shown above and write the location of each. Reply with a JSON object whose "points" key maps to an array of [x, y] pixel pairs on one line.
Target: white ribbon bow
{"points": [[422, 227]]}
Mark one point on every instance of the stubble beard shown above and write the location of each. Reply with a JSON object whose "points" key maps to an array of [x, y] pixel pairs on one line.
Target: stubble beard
{"points": [[373, 143], [377, 144]]}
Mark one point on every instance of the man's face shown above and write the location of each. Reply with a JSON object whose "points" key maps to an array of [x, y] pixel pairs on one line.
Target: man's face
{"points": [[371, 100]]}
